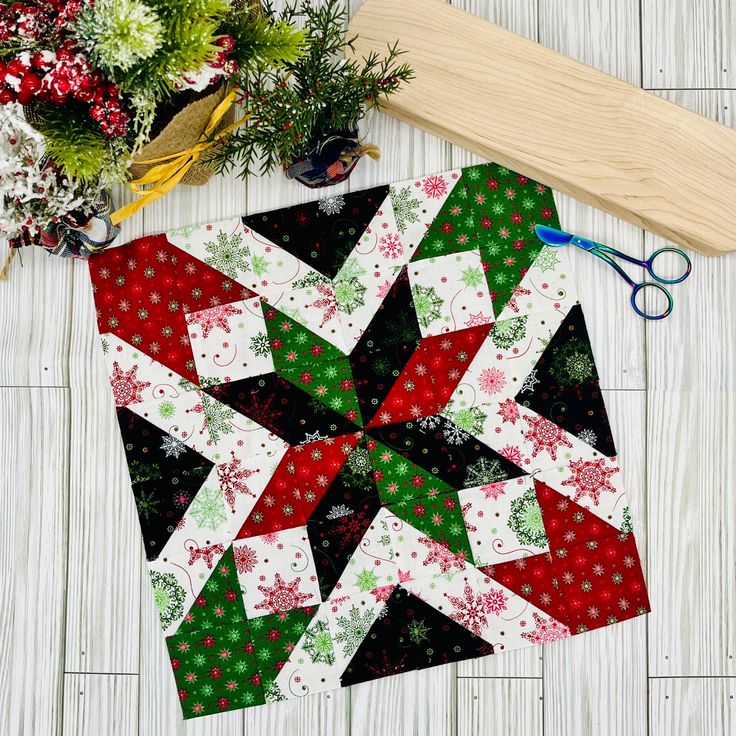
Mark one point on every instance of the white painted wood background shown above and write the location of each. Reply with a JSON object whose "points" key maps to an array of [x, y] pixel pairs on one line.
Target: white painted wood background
{"points": [[81, 649]]}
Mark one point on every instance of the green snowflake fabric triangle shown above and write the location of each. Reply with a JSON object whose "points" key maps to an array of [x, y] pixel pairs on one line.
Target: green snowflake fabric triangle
{"points": [[274, 638], [505, 208], [440, 517], [453, 230], [330, 383], [220, 602], [293, 344], [398, 478], [215, 670]]}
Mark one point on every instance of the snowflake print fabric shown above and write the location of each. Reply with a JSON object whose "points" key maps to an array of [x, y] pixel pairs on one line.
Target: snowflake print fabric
{"points": [[365, 435]]}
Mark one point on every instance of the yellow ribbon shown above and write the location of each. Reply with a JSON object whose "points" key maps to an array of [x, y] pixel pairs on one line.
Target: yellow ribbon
{"points": [[165, 176]]}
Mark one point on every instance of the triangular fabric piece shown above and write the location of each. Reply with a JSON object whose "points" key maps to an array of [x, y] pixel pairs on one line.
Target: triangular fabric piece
{"points": [[395, 320], [431, 375], [297, 486], [532, 578], [201, 286], [330, 383], [398, 478], [220, 602], [215, 670], [375, 372], [505, 207], [281, 407], [274, 638], [567, 522], [602, 581], [342, 517], [322, 233], [293, 345], [439, 518], [453, 229], [563, 386], [136, 292], [447, 451], [352, 489], [410, 634], [165, 475]]}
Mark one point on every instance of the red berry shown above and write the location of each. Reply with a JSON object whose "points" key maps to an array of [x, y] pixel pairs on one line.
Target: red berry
{"points": [[6, 96], [218, 60], [16, 67], [39, 61], [25, 96], [225, 42], [30, 82]]}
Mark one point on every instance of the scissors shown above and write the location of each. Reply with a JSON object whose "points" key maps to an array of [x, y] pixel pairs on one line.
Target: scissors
{"points": [[557, 238]]}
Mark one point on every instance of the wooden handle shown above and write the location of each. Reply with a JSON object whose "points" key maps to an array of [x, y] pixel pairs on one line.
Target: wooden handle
{"points": [[561, 122]]}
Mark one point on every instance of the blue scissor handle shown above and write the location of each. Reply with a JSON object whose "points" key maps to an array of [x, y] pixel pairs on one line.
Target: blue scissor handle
{"points": [[652, 285], [649, 265]]}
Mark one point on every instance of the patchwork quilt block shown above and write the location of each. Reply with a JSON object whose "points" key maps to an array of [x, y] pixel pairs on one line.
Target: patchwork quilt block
{"points": [[365, 435]]}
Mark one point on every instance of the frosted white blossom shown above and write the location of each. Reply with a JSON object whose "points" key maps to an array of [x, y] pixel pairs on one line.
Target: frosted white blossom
{"points": [[34, 192]]}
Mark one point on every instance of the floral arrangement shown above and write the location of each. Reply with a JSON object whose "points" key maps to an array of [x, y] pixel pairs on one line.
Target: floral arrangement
{"points": [[304, 114], [41, 204], [93, 73], [89, 87]]}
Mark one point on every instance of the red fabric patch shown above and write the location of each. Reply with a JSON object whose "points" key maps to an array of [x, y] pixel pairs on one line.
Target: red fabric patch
{"points": [[137, 297], [301, 479], [431, 375], [566, 522], [143, 290]]}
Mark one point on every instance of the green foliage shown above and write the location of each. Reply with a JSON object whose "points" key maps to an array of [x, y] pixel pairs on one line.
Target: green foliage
{"points": [[117, 34], [290, 107], [74, 141], [263, 40]]}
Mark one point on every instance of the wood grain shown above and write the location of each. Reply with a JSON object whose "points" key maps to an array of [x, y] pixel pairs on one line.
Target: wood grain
{"points": [[105, 548], [95, 704], [704, 317], [560, 122], [692, 707], [511, 707], [34, 494], [691, 532], [690, 43]]}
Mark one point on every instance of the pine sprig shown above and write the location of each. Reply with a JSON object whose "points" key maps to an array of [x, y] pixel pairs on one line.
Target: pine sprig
{"points": [[290, 107]]}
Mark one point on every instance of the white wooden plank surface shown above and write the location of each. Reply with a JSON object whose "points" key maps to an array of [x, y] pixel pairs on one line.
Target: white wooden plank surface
{"points": [[703, 322], [692, 707], [34, 493], [691, 532], [35, 306], [689, 43], [105, 546], [672, 407], [95, 704], [491, 706]]}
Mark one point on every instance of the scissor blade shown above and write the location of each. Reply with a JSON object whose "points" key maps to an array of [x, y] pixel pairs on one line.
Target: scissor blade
{"points": [[552, 236]]}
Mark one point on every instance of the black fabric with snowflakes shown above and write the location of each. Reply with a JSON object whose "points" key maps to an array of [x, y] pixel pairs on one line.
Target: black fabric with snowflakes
{"points": [[566, 390], [165, 475]]}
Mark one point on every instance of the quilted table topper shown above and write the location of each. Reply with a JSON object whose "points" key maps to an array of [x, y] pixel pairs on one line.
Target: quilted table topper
{"points": [[365, 435]]}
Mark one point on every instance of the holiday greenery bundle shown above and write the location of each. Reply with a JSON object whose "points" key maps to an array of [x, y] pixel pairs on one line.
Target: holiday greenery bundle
{"points": [[298, 111], [106, 85], [95, 72]]}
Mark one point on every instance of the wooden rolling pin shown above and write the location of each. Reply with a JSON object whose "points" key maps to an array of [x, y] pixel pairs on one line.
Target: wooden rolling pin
{"points": [[561, 122]]}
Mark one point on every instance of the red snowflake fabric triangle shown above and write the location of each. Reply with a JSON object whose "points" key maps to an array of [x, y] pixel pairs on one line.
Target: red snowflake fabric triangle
{"points": [[298, 485], [138, 299], [431, 375]]}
